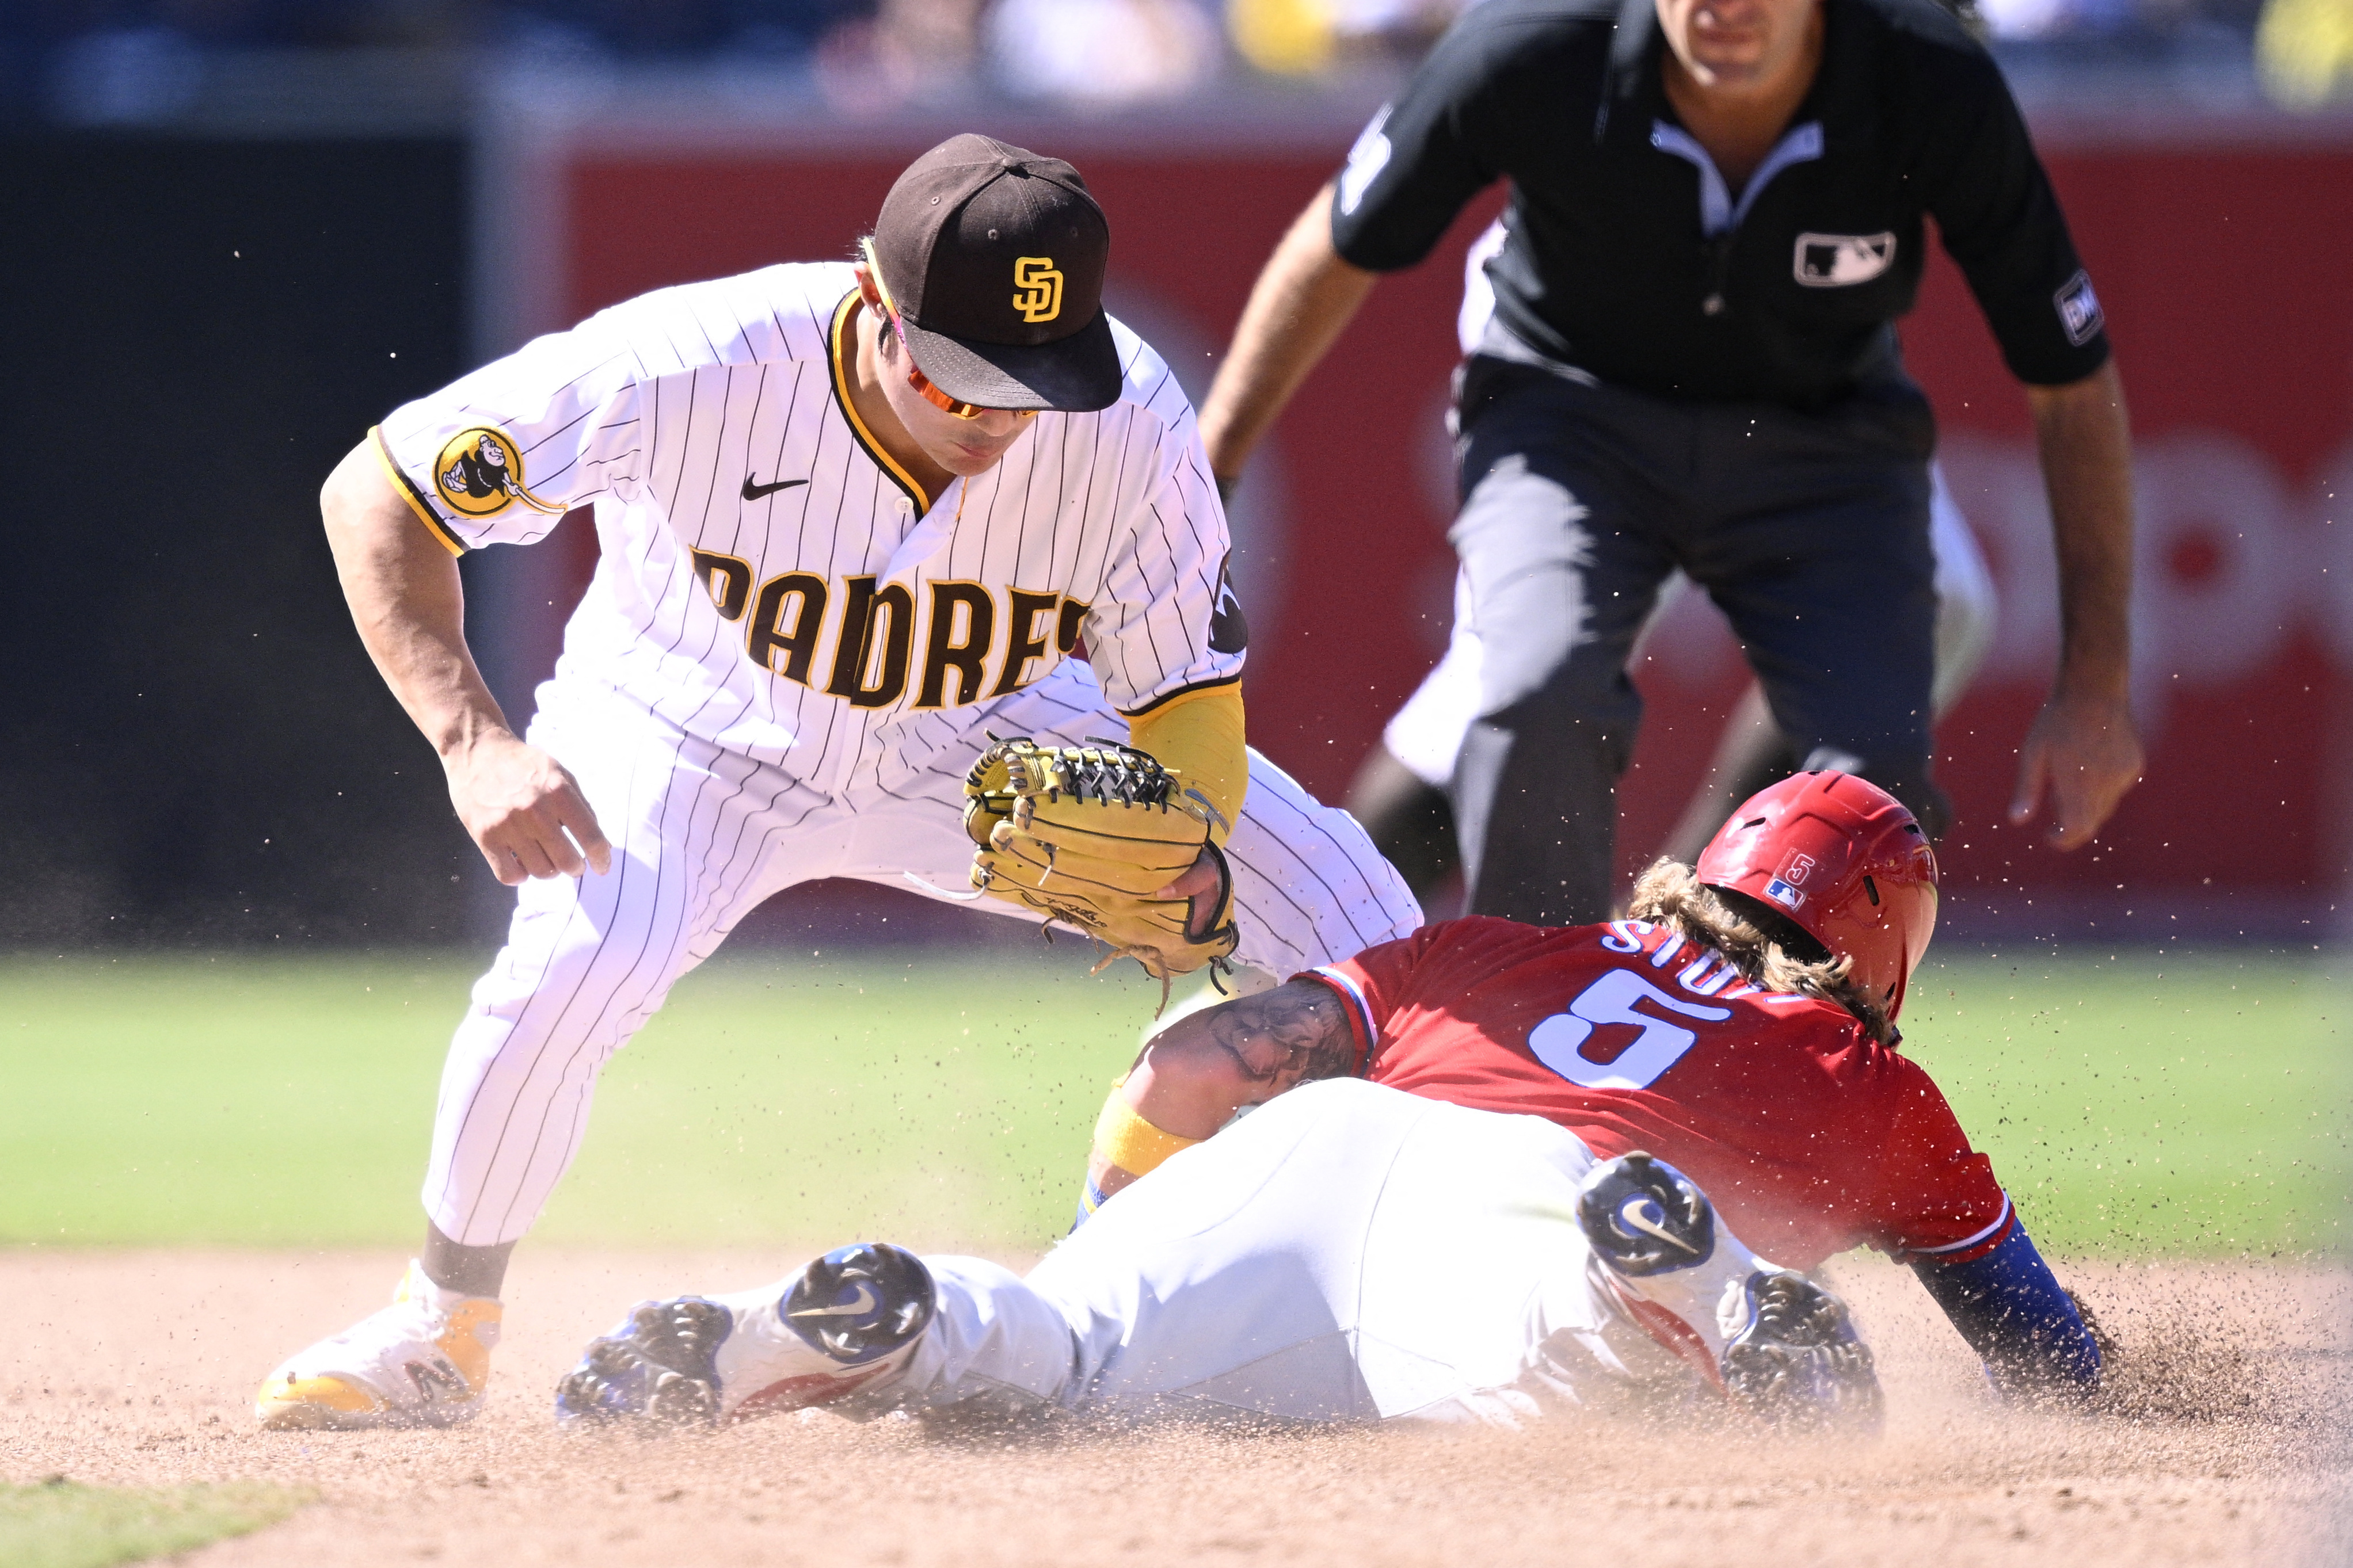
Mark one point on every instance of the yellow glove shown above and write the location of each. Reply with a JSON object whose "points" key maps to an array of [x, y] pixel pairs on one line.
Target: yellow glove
{"points": [[1087, 836]]}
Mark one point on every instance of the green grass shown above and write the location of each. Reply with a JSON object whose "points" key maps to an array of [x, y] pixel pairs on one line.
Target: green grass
{"points": [[290, 1102], [64, 1525], [2180, 1105], [2136, 1104]]}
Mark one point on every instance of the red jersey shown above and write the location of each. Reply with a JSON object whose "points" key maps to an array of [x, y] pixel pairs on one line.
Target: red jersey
{"points": [[1809, 1137]]}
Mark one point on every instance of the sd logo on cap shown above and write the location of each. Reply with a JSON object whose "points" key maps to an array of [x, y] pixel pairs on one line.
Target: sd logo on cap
{"points": [[966, 218]]}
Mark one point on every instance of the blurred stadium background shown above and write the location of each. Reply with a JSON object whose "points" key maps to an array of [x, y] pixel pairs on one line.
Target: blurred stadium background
{"points": [[238, 231]]}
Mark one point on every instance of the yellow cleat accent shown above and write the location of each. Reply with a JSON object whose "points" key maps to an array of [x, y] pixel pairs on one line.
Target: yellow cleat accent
{"points": [[310, 1403], [473, 1330]]}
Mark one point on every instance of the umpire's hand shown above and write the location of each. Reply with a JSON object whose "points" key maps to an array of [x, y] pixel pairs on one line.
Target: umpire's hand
{"points": [[2087, 752], [2082, 745], [518, 803]]}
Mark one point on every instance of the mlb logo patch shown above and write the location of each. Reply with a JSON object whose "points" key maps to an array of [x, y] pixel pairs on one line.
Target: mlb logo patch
{"points": [[1782, 893], [1843, 260], [1366, 159], [2079, 308]]}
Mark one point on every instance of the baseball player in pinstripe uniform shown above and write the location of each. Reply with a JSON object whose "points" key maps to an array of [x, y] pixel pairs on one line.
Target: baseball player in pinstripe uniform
{"points": [[852, 517]]}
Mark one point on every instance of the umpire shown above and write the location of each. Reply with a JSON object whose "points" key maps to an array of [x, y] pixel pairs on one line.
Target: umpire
{"points": [[1715, 219]]}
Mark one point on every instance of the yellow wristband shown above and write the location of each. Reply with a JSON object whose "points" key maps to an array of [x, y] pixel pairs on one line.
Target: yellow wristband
{"points": [[1129, 1141]]}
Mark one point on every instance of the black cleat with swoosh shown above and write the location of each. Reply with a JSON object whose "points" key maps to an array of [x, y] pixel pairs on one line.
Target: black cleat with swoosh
{"points": [[862, 1302], [1644, 1217], [753, 491]]}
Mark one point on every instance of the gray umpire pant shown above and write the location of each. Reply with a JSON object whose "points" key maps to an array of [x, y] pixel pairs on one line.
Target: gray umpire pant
{"points": [[1809, 530]]}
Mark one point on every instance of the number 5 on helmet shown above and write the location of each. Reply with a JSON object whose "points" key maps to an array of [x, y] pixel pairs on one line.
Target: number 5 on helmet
{"points": [[1841, 859]]}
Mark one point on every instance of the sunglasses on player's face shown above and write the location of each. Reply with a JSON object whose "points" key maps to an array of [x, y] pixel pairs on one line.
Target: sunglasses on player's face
{"points": [[954, 407]]}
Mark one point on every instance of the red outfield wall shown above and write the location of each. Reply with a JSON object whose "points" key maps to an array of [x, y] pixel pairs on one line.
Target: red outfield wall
{"points": [[2224, 273]]}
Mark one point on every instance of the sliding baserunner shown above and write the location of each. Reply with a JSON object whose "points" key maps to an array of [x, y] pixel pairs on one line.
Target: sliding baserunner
{"points": [[1589, 1161]]}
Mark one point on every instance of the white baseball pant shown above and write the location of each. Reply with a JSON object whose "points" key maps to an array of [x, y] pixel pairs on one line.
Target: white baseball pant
{"points": [[1347, 1252], [701, 836]]}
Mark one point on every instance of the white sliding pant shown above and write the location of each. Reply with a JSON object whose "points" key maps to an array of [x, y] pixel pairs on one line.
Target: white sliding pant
{"points": [[1347, 1252]]}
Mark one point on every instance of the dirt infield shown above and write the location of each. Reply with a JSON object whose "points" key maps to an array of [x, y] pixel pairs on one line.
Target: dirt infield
{"points": [[136, 1368]]}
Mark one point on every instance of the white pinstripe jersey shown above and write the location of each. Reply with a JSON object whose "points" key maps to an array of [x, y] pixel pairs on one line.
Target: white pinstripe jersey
{"points": [[770, 580]]}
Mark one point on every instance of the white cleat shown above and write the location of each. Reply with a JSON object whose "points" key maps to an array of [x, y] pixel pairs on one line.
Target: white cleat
{"points": [[425, 1360]]}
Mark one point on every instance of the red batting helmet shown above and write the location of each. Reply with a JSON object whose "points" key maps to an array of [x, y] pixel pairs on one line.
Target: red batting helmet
{"points": [[1844, 860]]}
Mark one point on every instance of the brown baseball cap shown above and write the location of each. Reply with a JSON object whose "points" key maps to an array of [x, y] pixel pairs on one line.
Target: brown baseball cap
{"points": [[993, 257]]}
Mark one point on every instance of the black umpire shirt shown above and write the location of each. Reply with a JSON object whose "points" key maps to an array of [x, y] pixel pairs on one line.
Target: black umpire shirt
{"points": [[1629, 259]]}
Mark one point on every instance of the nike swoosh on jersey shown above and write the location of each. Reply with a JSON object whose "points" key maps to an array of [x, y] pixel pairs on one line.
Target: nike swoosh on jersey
{"points": [[752, 491], [857, 1309]]}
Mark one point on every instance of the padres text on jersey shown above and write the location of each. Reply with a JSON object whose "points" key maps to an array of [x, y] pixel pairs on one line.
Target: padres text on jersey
{"points": [[771, 581]]}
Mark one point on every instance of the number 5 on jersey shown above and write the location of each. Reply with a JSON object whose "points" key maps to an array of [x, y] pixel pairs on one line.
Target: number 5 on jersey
{"points": [[1559, 1041]]}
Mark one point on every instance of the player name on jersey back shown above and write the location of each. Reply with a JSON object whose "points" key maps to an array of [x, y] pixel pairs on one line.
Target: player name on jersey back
{"points": [[1808, 1135], [769, 579]]}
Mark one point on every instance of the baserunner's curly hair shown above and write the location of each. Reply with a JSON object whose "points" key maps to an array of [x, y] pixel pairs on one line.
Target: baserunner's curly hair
{"points": [[1769, 948]]}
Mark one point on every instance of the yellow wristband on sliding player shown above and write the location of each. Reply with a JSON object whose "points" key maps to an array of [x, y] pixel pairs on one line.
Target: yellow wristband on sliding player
{"points": [[1127, 1141]]}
